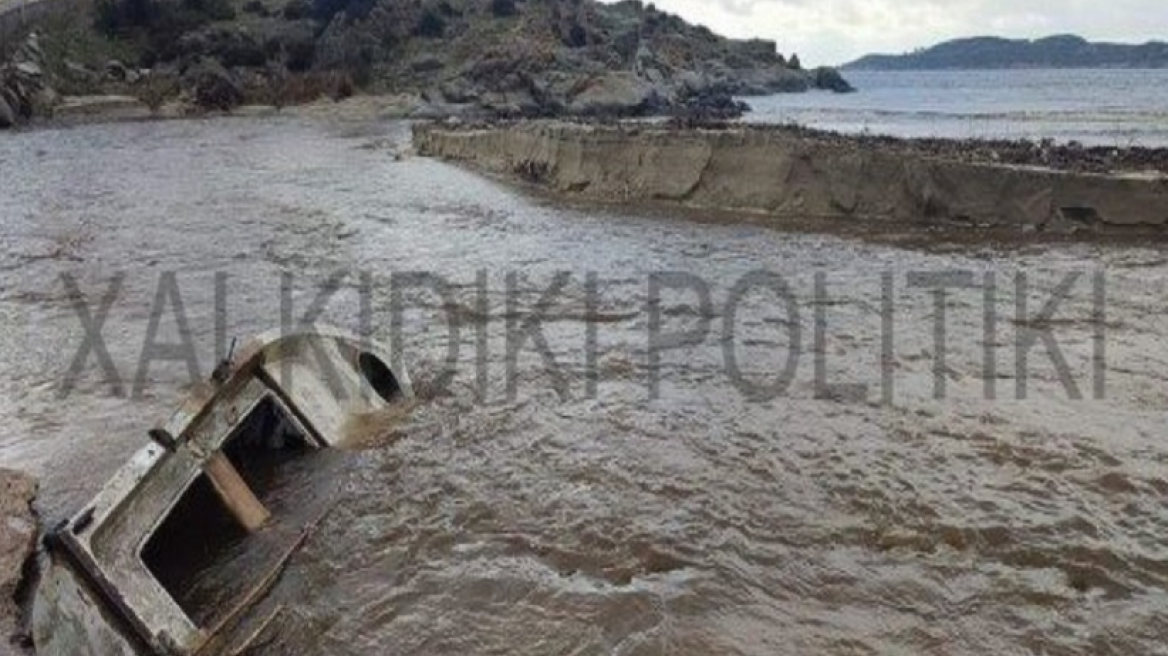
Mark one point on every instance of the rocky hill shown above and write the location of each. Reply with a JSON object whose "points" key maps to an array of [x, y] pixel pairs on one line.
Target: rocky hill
{"points": [[556, 56], [1063, 51], [486, 57]]}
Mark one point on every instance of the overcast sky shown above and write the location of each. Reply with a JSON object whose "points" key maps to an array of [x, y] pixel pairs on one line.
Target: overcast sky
{"points": [[836, 31]]}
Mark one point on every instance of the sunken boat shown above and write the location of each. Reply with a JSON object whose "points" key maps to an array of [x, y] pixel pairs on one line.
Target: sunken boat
{"points": [[109, 588]]}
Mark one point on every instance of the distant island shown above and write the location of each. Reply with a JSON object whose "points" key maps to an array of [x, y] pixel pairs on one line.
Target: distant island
{"points": [[980, 53]]}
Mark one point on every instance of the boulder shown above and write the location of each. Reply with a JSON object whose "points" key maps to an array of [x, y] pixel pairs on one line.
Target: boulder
{"points": [[7, 116], [28, 70], [710, 105], [16, 97], [116, 70], [459, 90], [18, 535], [31, 49], [692, 82], [79, 72], [829, 79], [426, 63], [511, 104], [766, 81], [619, 93]]}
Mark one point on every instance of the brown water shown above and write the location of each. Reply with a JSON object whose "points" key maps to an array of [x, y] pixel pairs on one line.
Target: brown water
{"points": [[697, 523]]}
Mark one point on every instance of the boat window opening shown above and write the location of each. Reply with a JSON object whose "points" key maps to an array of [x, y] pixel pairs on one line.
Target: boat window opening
{"points": [[380, 377], [201, 539], [266, 439], [194, 535]]}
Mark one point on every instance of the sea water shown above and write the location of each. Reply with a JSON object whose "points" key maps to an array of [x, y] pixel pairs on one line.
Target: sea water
{"points": [[1096, 107]]}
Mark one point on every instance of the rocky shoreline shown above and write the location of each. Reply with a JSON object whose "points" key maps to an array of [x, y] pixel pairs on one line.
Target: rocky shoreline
{"points": [[1071, 156], [792, 173], [466, 58], [18, 537]]}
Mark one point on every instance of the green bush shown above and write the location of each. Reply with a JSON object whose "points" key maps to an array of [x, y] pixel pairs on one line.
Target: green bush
{"points": [[504, 8], [431, 25], [298, 10], [158, 24]]}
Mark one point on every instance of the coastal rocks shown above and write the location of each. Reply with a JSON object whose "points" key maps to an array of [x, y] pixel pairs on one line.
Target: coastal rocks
{"points": [[459, 91], [520, 59], [24, 85], [709, 105], [766, 81], [7, 116], [829, 79], [617, 94], [18, 535]]}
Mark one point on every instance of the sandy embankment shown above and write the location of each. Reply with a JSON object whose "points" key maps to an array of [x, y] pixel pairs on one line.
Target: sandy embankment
{"points": [[18, 535], [792, 173]]}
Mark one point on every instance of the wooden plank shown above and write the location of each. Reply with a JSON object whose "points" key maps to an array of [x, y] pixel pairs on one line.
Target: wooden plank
{"points": [[240, 501]]}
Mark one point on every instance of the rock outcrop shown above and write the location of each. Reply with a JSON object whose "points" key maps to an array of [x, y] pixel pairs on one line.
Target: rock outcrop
{"points": [[588, 59], [18, 535], [503, 58], [7, 115], [801, 175], [24, 90]]}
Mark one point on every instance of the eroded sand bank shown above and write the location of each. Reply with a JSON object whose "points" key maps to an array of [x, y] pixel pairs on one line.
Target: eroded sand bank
{"points": [[793, 173]]}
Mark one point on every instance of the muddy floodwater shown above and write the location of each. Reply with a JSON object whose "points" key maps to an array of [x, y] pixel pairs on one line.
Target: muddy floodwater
{"points": [[581, 508]]}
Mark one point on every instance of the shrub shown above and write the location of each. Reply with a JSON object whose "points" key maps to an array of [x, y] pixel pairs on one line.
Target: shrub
{"points": [[325, 10], [298, 10], [117, 16], [431, 25], [503, 8], [155, 90], [577, 36], [310, 87], [159, 23], [210, 10], [255, 7]]}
